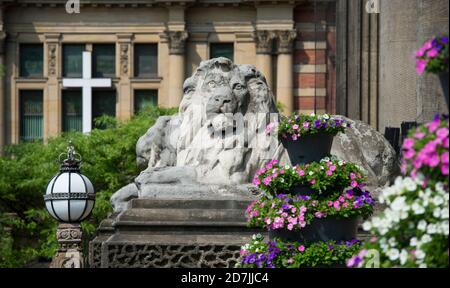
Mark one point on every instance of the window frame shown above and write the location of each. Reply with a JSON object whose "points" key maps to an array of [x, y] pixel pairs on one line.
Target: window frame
{"points": [[135, 66], [94, 61], [21, 114], [63, 62], [20, 66], [212, 44], [136, 91]]}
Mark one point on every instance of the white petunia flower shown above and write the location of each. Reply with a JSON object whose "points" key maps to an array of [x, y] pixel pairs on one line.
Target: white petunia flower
{"points": [[420, 254], [432, 229], [444, 213], [426, 239], [393, 254], [417, 209], [437, 200], [422, 225], [403, 257], [437, 213], [367, 226]]}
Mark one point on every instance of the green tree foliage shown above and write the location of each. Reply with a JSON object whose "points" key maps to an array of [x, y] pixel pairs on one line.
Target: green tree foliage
{"points": [[109, 160]]}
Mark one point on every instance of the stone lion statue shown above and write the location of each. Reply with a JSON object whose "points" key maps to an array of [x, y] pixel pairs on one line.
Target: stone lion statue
{"points": [[215, 144]]}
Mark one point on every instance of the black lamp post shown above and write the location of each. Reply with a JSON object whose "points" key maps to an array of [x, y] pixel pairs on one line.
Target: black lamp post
{"points": [[69, 198]]}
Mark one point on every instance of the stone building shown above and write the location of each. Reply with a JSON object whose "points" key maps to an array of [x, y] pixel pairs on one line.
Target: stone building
{"points": [[321, 56]]}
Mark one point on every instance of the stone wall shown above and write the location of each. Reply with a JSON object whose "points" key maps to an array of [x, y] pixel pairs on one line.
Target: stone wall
{"points": [[404, 26]]}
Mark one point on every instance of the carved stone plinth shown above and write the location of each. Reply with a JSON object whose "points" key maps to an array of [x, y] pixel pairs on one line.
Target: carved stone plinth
{"points": [[172, 233], [70, 251]]}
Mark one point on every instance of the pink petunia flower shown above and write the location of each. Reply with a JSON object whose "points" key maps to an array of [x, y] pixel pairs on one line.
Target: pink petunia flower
{"points": [[444, 158], [301, 173], [354, 184], [442, 133], [305, 125], [295, 127], [408, 143], [301, 248], [420, 66], [337, 205], [419, 135], [408, 154], [329, 173], [444, 169], [434, 161], [433, 53]]}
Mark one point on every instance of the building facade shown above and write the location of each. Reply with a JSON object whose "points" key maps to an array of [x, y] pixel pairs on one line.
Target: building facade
{"points": [[148, 48]]}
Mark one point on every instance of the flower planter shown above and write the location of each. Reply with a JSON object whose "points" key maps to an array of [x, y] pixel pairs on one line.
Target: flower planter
{"points": [[301, 190], [307, 149], [320, 230], [444, 83]]}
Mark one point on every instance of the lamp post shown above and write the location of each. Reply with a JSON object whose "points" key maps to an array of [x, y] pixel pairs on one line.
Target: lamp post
{"points": [[69, 198]]}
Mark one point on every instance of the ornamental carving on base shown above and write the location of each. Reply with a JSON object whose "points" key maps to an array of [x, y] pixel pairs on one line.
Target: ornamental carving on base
{"points": [[264, 40], [70, 248], [52, 60], [127, 255], [177, 40], [285, 41], [124, 48]]}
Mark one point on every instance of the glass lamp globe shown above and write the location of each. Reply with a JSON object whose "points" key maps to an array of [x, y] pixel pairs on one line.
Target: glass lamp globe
{"points": [[70, 196]]}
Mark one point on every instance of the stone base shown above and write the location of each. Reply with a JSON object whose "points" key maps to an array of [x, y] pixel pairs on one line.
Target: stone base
{"points": [[172, 233]]}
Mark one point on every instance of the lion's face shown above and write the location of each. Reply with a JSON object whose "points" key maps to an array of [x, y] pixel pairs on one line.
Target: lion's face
{"points": [[217, 86]]}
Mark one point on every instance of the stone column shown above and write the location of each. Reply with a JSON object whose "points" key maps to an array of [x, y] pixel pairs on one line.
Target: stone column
{"points": [[2, 91], [70, 250], [176, 41], [52, 99], [125, 103], [264, 40], [285, 69]]}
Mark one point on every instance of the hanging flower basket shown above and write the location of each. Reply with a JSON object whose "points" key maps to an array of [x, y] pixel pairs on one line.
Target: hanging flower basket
{"points": [[308, 138], [310, 148], [432, 57]]}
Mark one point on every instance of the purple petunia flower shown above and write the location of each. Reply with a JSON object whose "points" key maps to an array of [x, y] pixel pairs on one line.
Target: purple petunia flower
{"points": [[318, 124]]}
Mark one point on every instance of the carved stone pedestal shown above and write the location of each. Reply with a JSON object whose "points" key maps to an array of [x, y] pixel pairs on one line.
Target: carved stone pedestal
{"points": [[70, 252], [172, 233]]}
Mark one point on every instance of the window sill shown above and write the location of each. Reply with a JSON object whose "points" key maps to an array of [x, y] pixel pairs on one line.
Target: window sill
{"points": [[146, 80], [30, 80]]}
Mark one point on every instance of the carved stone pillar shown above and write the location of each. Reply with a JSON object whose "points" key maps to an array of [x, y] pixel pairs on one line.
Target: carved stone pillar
{"points": [[2, 91], [70, 250], [285, 77], [176, 41], [52, 103], [264, 40], [125, 99]]}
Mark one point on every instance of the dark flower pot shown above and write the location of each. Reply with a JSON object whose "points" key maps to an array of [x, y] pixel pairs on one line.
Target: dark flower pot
{"points": [[444, 83], [320, 230], [307, 149], [302, 190]]}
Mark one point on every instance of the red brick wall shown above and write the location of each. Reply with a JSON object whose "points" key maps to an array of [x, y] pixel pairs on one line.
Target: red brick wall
{"points": [[314, 54]]}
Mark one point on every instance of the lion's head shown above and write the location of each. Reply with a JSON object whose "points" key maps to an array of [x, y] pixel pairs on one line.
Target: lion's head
{"points": [[214, 95]]}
